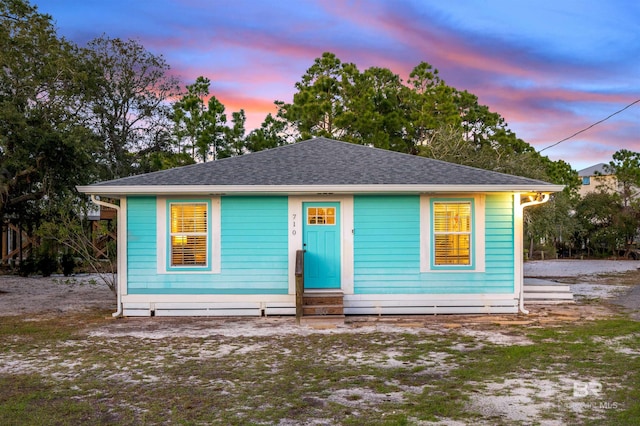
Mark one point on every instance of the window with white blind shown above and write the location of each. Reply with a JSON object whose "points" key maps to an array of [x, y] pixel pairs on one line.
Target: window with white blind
{"points": [[189, 234], [452, 233], [452, 223]]}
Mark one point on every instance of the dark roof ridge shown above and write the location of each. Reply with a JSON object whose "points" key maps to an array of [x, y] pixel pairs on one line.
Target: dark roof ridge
{"points": [[413, 156], [320, 162]]}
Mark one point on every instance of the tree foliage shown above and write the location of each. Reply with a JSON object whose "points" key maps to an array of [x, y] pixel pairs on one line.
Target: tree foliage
{"points": [[199, 126], [271, 134], [128, 109], [597, 214], [70, 229], [318, 106], [45, 148], [608, 219], [72, 115], [374, 109], [626, 167], [234, 137], [423, 116]]}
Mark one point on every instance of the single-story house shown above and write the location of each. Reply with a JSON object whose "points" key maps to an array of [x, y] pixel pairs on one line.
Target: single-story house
{"points": [[391, 233]]}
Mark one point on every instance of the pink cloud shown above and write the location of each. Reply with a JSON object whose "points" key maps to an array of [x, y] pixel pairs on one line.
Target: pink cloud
{"points": [[251, 66]]}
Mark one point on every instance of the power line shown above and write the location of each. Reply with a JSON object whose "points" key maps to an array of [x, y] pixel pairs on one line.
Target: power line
{"points": [[593, 125]]}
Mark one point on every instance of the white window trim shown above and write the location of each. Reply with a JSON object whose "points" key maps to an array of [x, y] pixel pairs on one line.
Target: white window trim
{"points": [[162, 237], [185, 235], [426, 229]]}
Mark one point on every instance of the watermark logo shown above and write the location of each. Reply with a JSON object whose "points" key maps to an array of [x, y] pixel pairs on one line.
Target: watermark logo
{"points": [[582, 389], [593, 390]]}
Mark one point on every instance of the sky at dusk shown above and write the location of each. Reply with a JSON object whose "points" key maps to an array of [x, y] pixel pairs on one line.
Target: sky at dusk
{"points": [[549, 67]]}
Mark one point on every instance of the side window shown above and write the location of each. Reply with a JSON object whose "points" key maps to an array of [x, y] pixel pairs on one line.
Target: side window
{"points": [[189, 234], [452, 233], [586, 180]]}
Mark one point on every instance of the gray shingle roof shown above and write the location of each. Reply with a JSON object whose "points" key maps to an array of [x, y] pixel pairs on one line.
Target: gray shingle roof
{"points": [[591, 171], [318, 162]]}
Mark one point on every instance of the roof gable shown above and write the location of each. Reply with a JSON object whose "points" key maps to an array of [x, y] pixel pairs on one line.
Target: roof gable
{"points": [[321, 162], [597, 169]]}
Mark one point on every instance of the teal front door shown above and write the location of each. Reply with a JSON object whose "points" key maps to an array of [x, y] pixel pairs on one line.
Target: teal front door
{"points": [[321, 240]]}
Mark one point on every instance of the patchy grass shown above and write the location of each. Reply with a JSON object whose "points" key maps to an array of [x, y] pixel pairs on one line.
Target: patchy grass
{"points": [[53, 371], [626, 278]]}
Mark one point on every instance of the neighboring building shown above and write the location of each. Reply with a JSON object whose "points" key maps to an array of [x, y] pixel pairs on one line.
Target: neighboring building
{"points": [[597, 178], [393, 233]]}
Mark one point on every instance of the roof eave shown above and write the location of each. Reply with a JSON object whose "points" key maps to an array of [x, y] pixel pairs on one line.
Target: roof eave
{"points": [[123, 190]]}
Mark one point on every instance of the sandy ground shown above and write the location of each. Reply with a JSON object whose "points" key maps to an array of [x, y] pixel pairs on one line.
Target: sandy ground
{"points": [[56, 294], [592, 280], [575, 268], [518, 401]]}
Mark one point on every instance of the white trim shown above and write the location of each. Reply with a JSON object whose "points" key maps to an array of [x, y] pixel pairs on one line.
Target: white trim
{"points": [[161, 235], [294, 218], [346, 238], [430, 304], [354, 304], [209, 298], [479, 235], [208, 305], [518, 245], [122, 249], [347, 275], [214, 234], [310, 189]]}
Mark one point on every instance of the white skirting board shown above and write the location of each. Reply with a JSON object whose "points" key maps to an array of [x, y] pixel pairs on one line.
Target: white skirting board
{"points": [[429, 304], [547, 294], [405, 304], [208, 309]]}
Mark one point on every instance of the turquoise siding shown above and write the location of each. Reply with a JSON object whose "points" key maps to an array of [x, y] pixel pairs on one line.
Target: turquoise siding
{"points": [[387, 249], [253, 245], [254, 249], [141, 241]]}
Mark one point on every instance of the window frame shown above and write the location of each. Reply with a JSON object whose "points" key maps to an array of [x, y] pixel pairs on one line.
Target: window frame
{"points": [[435, 233], [328, 218], [163, 264], [477, 234], [206, 234]]}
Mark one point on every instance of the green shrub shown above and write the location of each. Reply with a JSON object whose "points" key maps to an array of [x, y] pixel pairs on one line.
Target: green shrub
{"points": [[68, 264], [47, 264]]}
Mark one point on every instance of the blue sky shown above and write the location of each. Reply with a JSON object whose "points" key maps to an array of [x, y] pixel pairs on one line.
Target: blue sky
{"points": [[550, 68]]}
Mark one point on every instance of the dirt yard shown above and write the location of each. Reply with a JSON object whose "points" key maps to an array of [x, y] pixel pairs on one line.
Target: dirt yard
{"points": [[446, 370]]}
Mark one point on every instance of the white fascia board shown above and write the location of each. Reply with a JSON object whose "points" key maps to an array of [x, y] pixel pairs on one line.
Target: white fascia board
{"points": [[114, 190]]}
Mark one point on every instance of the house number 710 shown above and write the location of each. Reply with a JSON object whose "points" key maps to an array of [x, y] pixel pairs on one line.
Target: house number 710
{"points": [[293, 232]]}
